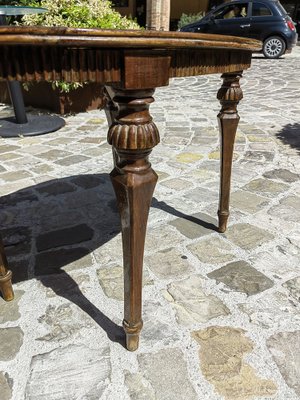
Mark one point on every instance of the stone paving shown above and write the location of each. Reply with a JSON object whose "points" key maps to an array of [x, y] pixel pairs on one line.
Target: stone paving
{"points": [[221, 311]]}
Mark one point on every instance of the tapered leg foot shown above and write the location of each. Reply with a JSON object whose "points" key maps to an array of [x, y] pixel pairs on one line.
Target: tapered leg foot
{"points": [[132, 335], [6, 287], [132, 341], [5, 276], [223, 218]]}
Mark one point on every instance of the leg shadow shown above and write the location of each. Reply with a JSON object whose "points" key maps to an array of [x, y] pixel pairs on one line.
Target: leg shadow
{"points": [[64, 286], [161, 205]]}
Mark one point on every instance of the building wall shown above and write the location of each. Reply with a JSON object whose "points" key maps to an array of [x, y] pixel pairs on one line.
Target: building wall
{"points": [[127, 11], [178, 7]]}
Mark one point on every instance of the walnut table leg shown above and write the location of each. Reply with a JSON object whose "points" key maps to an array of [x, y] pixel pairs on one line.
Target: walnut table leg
{"points": [[5, 276], [229, 96], [132, 135]]}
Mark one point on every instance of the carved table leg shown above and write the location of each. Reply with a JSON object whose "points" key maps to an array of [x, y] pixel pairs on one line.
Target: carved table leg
{"points": [[229, 96], [5, 276], [132, 135]]}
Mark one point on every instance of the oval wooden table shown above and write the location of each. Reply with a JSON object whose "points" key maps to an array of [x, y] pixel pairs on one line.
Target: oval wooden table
{"points": [[131, 64]]}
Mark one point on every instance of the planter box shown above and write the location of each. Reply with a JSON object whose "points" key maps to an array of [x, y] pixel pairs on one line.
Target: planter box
{"points": [[41, 95]]}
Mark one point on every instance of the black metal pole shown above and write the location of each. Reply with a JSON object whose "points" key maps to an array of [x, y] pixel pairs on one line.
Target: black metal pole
{"points": [[16, 97], [15, 92]]}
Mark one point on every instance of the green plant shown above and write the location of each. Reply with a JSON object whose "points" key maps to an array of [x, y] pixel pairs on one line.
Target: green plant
{"points": [[78, 14], [186, 19]]}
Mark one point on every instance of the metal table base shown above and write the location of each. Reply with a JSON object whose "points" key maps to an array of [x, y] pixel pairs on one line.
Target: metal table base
{"points": [[35, 125], [22, 124]]}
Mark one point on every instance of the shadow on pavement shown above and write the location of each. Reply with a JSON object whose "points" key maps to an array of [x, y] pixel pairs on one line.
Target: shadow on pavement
{"points": [[290, 134], [48, 229], [171, 210], [64, 286]]}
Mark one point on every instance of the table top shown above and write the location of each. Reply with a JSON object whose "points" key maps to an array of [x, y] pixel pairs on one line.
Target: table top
{"points": [[61, 36], [20, 10], [131, 59]]}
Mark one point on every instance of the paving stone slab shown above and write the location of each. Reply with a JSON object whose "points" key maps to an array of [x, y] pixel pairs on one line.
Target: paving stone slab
{"points": [[177, 184], [288, 209], [195, 225], [203, 175], [55, 188], [5, 148], [162, 236], [201, 195], [5, 389], [213, 250], [71, 160], [63, 237], [191, 303], [158, 325], [241, 277], [72, 285], [282, 174], [9, 310], [53, 155], [155, 381], [111, 280], [222, 363], [169, 263], [274, 261], [51, 262], [293, 286], [272, 311], [63, 322], [285, 349], [17, 240], [89, 181], [72, 372], [266, 187], [247, 236], [14, 176], [11, 340], [258, 156], [247, 202]]}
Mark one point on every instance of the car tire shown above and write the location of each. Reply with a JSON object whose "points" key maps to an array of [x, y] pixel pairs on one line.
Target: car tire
{"points": [[274, 47]]}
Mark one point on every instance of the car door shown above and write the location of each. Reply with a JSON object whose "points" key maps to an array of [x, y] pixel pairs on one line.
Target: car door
{"points": [[226, 21], [262, 20]]}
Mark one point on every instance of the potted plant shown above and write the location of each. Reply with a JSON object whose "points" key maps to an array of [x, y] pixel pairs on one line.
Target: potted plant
{"points": [[57, 96]]}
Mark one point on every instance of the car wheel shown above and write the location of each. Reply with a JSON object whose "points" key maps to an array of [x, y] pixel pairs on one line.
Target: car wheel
{"points": [[273, 47]]}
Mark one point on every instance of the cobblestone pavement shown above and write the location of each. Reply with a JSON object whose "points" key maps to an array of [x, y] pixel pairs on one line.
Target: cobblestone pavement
{"points": [[221, 311]]}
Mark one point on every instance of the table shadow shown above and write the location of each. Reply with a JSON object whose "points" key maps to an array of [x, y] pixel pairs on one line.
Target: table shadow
{"points": [[50, 225], [78, 214]]}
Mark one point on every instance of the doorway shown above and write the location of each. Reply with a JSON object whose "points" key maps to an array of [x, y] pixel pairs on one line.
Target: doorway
{"points": [[141, 12]]}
